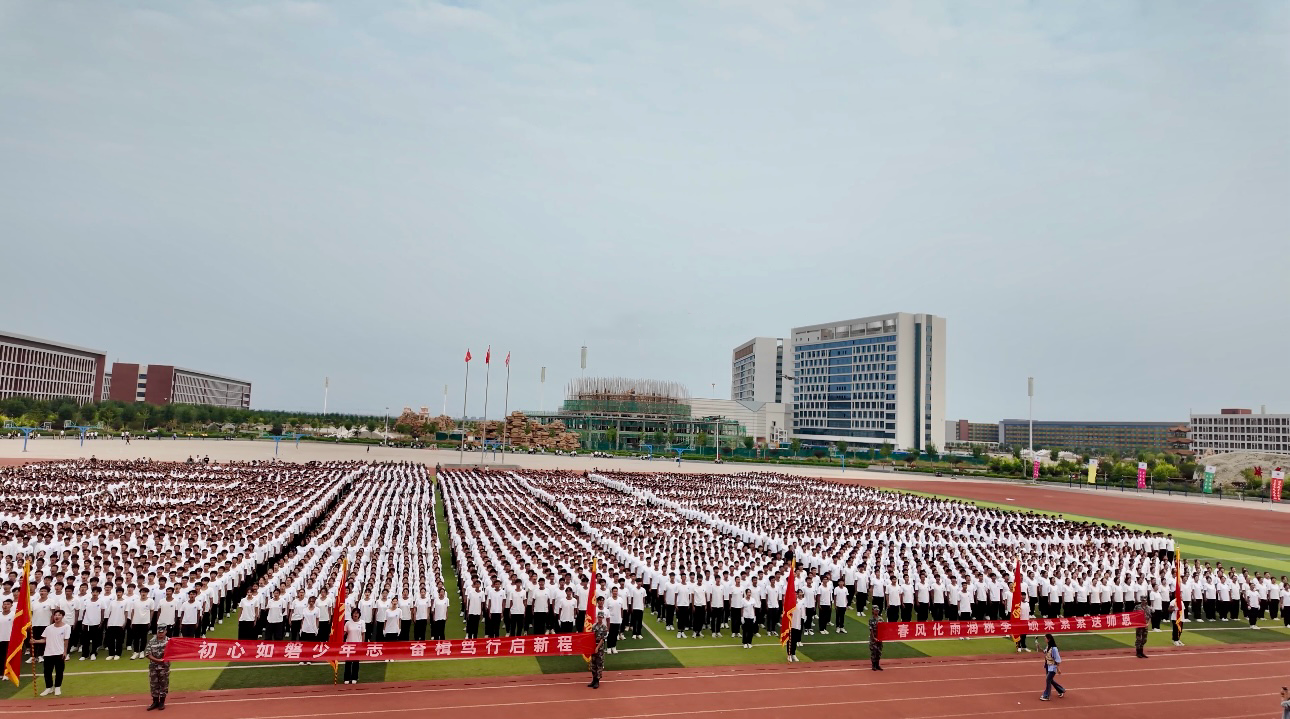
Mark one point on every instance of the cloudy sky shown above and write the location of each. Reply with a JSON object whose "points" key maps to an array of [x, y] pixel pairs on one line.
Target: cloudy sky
{"points": [[1092, 193]]}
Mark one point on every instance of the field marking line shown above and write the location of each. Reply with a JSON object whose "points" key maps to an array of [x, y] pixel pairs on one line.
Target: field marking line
{"points": [[725, 675], [669, 695]]}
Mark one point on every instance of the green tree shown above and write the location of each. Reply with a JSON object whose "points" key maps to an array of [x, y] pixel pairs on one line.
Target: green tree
{"points": [[371, 425], [842, 446], [911, 456], [977, 451], [87, 414], [142, 416], [701, 439], [796, 445], [1163, 472], [658, 438], [276, 430], [931, 452], [885, 450], [671, 436], [1016, 453], [749, 442], [611, 436], [1252, 480]]}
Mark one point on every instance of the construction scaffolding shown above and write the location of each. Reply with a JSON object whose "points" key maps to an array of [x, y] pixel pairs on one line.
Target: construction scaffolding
{"points": [[624, 397]]}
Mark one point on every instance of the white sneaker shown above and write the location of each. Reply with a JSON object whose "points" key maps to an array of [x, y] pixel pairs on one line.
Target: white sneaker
{"points": [[93, 657], [47, 692], [81, 659], [824, 631], [58, 691], [1155, 630], [843, 631]]}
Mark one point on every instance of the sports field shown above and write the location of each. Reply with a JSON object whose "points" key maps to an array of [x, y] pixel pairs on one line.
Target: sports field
{"points": [[661, 650]]}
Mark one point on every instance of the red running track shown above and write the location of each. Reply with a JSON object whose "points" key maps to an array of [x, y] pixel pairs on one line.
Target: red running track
{"points": [[1248, 521], [1223, 683]]}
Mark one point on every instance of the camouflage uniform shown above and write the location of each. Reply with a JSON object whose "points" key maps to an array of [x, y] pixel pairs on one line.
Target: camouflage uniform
{"points": [[875, 644], [600, 631], [1140, 636]]}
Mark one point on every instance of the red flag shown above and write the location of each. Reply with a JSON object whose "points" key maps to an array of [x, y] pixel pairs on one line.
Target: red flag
{"points": [[1178, 600], [1016, 598], [21, 623], [338, 611], [789, 604], [467, 354], [508, 359], [590, 621], [1258, 471], [488, 353]]}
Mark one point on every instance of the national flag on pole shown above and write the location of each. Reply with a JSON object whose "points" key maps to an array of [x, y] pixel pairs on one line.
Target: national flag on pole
{"points": [[21, 624], [338, 610], [488, 354], [1016, 599], [789, 604], [1178, 600], [467, 354], [508, 359]]}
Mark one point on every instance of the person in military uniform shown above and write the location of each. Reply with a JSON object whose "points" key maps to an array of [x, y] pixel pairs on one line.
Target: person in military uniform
{"points": [[600, 632], [875, 644], [1140, 636]]}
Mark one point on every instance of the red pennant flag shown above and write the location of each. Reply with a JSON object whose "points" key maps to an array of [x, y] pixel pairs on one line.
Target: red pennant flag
{"points": [[590, 609], [508, 359], [1178, 600], [1258, 471], [467, 355], [789, 604], [338, 611], [488, 353], [21, 623], [1016, 598]]}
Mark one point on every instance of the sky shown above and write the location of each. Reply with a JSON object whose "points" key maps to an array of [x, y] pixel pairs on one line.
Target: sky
{"points": [[1096, 194]]}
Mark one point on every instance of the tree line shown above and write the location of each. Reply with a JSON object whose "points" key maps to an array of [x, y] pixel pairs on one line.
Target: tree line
{"points": [[141, 416]]}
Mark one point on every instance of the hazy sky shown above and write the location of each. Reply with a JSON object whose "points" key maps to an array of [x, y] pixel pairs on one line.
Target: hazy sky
{"points": [[1097, 194]]}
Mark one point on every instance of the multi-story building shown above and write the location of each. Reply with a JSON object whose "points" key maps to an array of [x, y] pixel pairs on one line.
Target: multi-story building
{"points": [[964, 432], [167, 384], [1125, 437], [1234, 430], [44, 369], [870, 381], [757, 371]]}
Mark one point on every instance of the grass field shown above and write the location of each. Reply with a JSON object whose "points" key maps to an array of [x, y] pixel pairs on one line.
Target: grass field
{"points": [[661, 649]]}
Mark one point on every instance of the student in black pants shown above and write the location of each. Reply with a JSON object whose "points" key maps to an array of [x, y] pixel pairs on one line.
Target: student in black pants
{"points": [[54, 643], [354, 632]]}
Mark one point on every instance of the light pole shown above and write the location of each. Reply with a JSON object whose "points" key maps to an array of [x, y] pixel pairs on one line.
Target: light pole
{"points": [[387, 427], [1030, 394], [542, 392]]}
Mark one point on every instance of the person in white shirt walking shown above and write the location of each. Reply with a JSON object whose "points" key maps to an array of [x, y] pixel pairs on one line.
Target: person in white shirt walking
{"points": [[54, 642]]}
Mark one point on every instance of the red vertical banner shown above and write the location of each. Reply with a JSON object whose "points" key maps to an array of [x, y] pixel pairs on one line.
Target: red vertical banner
{"points": [[788, 605], [1015, 612], [1036, 469], [1142, 475], [1278, 479]]}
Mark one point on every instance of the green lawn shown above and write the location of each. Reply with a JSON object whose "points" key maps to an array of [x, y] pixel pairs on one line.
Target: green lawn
{"points": [[658, 648]]}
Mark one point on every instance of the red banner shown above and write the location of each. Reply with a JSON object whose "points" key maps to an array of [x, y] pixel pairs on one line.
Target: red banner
{"points": [[909, 631], [235, 650]]}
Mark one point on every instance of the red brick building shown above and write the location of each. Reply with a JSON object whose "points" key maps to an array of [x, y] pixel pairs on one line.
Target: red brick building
{"points": [[167, 384]]}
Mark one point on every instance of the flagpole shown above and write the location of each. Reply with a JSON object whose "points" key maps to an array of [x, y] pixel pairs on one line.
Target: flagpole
{"points": [[506, 405], [488, 370], [465, 392]]}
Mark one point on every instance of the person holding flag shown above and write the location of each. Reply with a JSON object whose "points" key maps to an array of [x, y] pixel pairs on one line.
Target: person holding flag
{"points": [[1020, 608], [600, 632], [19, 627], [1178, 599], [158, 667]]}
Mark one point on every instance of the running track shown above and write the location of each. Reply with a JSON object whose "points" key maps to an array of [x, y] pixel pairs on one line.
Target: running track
{"points": [[1251, 521], [1221, 683]]}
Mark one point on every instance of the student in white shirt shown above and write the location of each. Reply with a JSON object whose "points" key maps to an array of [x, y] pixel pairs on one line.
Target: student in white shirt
{"points": [[795, 633], [749, 618], [6, 626], [190, 615], [355, 629], [393, 622], [439, 615], [248, 616], [118, 614], [614, 612], [275, 615], [140, 621], [55, 642]]}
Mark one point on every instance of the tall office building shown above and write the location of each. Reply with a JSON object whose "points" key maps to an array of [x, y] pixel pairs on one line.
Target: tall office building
{"points": [[44, 369], [757, 371], [870, 381]]}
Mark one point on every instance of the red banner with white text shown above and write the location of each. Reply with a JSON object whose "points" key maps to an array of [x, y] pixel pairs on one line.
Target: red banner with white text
{"points": [[908, 631], [241, 650]]}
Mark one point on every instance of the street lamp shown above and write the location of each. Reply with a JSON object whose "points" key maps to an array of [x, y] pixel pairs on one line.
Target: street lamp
{"points": [[386, 438], [1030, 394]]}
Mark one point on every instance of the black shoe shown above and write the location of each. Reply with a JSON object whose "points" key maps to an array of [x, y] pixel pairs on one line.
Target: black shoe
{"points": [[591, 685], [154, 705]]}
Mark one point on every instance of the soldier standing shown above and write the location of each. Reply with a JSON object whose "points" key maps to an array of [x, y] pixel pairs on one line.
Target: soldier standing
{"points": [[875, 644], [600, 632], [1140, 637]]}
